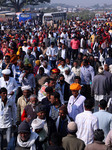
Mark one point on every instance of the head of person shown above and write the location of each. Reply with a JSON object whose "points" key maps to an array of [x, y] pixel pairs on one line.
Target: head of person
{"points": [[61, 78], [41, 71], [7, 59], [55, 98], [26, 91], [99, 135], [3, 94], [75, 38], [75, 64], [80, 56], [72, 128], [85, 62], [6, 74], [62, 62], [67, 60], [100, 70], [75, 87], [89, 104], [77, 79], [106, 67], [55, 139], [37, 62], [63, 112], [55, 73], [25, 43], [33, 100], [67, 70], [27, 69], [45, 64], [37, 125], [63, 46], [51, 82], [103, 104], [101, 50], [24, 131], [52, 44], [41, 111], [41, 57], [48, 91]]}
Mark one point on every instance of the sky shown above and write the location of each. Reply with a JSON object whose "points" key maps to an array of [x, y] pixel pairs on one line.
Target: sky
{"points": [[82, 2]]}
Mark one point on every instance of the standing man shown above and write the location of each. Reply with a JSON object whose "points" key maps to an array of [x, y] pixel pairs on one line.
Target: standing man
{"points": [[104, 118], [75, 43], [52, 55], [9, 83], [76, 101], [87, 123], [7, 116], [99, 87]]}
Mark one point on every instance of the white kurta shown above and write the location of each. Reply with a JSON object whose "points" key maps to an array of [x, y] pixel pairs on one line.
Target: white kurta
{"points": [[75, 105], [10, 85]]}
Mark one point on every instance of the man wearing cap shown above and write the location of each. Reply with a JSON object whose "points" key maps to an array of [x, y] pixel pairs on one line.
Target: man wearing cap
{"points": [[27, 139], [29, 112], [9, 83], [69, 76], [49, 125], [76, 101], [100, 87], [30, 57], [71, 142], [23, 101], [27, 78]]}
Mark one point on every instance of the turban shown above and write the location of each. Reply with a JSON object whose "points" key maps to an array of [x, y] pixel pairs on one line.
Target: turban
{"points": [[75, 86], [6, 71]]}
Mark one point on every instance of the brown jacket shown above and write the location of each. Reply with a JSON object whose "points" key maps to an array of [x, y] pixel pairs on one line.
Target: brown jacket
{"points": [[97, 145], [71, 142]]}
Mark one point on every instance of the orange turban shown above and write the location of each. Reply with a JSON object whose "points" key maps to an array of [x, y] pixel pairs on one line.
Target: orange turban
{"points": [[75, 86]]}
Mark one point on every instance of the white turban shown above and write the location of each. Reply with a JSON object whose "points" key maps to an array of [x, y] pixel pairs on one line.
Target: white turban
{"points": [[37, 124], [26, 87], [6, 71]]}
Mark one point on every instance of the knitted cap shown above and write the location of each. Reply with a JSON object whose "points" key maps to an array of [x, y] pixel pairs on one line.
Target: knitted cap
{"points": [[72, 127], [24, 127]]}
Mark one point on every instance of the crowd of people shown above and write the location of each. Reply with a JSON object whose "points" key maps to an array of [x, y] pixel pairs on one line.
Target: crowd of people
{"points": [[56, 85]]}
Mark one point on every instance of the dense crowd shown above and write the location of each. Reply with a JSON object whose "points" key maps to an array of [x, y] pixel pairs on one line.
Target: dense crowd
{"points": [[56, 85]]}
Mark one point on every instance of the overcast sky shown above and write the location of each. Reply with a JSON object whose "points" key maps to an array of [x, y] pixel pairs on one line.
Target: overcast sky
{"points": [[82, 2]]}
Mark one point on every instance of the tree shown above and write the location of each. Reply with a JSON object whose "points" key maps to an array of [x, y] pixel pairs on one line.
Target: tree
{"points": [[18, 4]]}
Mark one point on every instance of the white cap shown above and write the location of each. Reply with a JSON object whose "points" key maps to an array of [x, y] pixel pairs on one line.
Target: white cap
{"points": [[41, 56], [67, 68], [26, 87], [6, 71], [37, 124]]}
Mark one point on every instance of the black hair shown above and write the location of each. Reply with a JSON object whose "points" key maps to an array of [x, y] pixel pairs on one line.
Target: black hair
{"points": [[103, 104], [77, 77], [3, 90], [49, 89], [49, 80], [56, 139], [61, 75], [89, 103], [56, 95], [41, 68], [7, 56], [99, 135]]}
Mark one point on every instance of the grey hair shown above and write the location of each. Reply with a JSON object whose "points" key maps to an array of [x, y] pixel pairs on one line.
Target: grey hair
{"points": [[33, 96]]}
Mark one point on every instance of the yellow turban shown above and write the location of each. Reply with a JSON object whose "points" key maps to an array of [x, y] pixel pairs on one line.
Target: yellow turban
{"points": [[75, 86], [37, 62]]}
